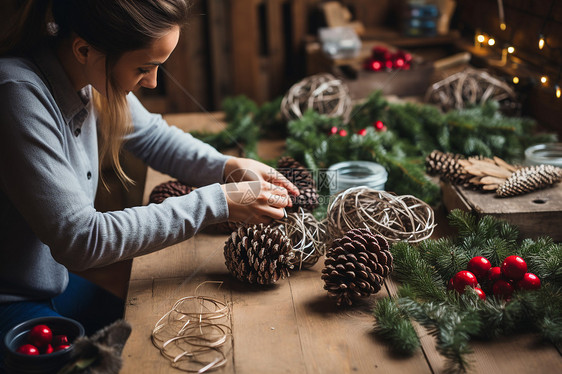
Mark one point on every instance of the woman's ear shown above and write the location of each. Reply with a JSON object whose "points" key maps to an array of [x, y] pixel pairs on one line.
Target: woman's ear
{"points": [[81, 49]]}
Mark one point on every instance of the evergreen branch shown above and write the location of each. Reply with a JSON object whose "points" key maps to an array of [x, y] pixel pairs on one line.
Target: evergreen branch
{"points": [[393, 325]]}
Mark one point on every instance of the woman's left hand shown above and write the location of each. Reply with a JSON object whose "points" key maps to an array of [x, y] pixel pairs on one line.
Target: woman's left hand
{"points": [[239, 169]]}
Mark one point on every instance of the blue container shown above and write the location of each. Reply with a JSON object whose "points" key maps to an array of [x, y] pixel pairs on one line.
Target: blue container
{"points": [[17, 363]]}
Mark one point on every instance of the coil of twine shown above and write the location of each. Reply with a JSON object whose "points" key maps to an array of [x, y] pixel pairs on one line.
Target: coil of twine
{"points": [[397, 218]]}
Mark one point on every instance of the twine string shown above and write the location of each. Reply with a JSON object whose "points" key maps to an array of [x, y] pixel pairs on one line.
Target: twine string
{"points": [[397, 218]]}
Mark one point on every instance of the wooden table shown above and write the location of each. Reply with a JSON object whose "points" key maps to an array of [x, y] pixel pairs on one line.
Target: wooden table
{"points": [[291, 327]]}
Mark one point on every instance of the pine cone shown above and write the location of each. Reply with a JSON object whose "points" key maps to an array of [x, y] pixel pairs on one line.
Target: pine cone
{"points": [[356, 265], [303, 180], [446, 165], [176, 188], [258, 254], [529, 179], [168, 189]]}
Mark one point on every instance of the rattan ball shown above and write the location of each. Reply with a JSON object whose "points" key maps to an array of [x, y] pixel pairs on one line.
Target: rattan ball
{"points": [[322, 93], [397, 218]]}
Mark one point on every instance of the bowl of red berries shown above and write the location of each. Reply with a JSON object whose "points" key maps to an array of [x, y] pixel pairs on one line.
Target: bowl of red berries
{"points": [[41, 345]]}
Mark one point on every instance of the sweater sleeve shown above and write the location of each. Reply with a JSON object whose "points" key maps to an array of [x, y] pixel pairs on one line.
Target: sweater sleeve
{"points": [[172, 151], [39, 179]]}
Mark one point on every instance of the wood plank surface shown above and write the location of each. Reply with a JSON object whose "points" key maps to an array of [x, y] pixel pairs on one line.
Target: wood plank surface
{"points": [[292, 326]]}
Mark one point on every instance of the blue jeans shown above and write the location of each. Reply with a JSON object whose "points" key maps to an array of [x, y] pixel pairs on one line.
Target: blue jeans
{"points": [[83, 301]]}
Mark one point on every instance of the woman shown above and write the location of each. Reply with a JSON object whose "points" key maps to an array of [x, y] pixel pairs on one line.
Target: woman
{"points": [[64, 83]]}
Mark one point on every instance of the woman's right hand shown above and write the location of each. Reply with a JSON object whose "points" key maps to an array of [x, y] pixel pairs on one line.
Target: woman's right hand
{"points": [[255, 202]]}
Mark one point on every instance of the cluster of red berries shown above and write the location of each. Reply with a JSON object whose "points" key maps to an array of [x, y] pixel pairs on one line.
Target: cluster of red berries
{"points": [[500, 280], [378, 126], [40, 340], [382, 59]]}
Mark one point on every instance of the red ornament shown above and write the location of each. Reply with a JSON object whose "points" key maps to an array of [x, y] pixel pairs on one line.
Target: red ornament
{"points": [[362, 132], [48, 349], [343, 133], [60, 340], [514, 267], [40, 336], [28, 349], [61, 347], [502, 289], [481, 294], [462, 279], [494, 274], [479, 266], [333, 130], [529, 282]]}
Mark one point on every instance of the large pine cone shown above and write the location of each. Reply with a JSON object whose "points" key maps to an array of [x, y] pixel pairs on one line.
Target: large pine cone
{"points": [[529, 179], [258, 254], [168, 189], [356, 265], [176, 188], [303, 180], [446, 165]]}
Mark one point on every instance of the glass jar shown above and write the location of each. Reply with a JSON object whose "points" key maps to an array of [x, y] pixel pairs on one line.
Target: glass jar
{"points": [[549, 153], [349, 174]]}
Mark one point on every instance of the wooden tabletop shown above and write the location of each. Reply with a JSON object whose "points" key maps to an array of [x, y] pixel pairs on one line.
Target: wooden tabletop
{"points": [[292, 326]]}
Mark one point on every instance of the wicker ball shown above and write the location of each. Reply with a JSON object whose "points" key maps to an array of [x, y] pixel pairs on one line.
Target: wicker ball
{"points": [[307, 236], [322, 93], [397, 218]]}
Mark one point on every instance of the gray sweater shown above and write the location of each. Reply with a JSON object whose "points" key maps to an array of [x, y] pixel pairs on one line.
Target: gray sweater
{"points": [[49, 176]]}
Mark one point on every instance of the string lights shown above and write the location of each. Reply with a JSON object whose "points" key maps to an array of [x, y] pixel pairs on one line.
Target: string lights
{"points": [[482, 40]]}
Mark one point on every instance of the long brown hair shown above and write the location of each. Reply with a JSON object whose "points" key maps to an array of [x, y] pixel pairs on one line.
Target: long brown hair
{"points": [[111, 26]]}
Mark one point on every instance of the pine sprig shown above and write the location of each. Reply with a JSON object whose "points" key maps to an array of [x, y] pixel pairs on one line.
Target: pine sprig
{"points": [[424, 269], [394, 326]]}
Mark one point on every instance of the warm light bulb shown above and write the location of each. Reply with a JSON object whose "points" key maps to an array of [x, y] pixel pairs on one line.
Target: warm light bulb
{"points": [[541, 42], [557, 90], [491, 41], [503, 26], [480, 38], [510, 49], [515, 80], [544, 79]]}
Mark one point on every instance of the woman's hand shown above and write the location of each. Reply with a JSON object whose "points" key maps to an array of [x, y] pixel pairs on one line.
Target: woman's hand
{"points": [[256, 192], [246, 170], [255, 202]]}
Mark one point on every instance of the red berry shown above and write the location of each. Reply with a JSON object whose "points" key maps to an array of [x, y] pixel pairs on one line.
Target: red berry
{"points": [[362, 132], [462, 279], [60, 340], [343, 132], [48, 349], [481, 294], [40, 336], [61, 347], [502, 289], [28, 349], [378, 125], [514, 267], [479, 266], [333, 130], [529, 282], [494, 274]]}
